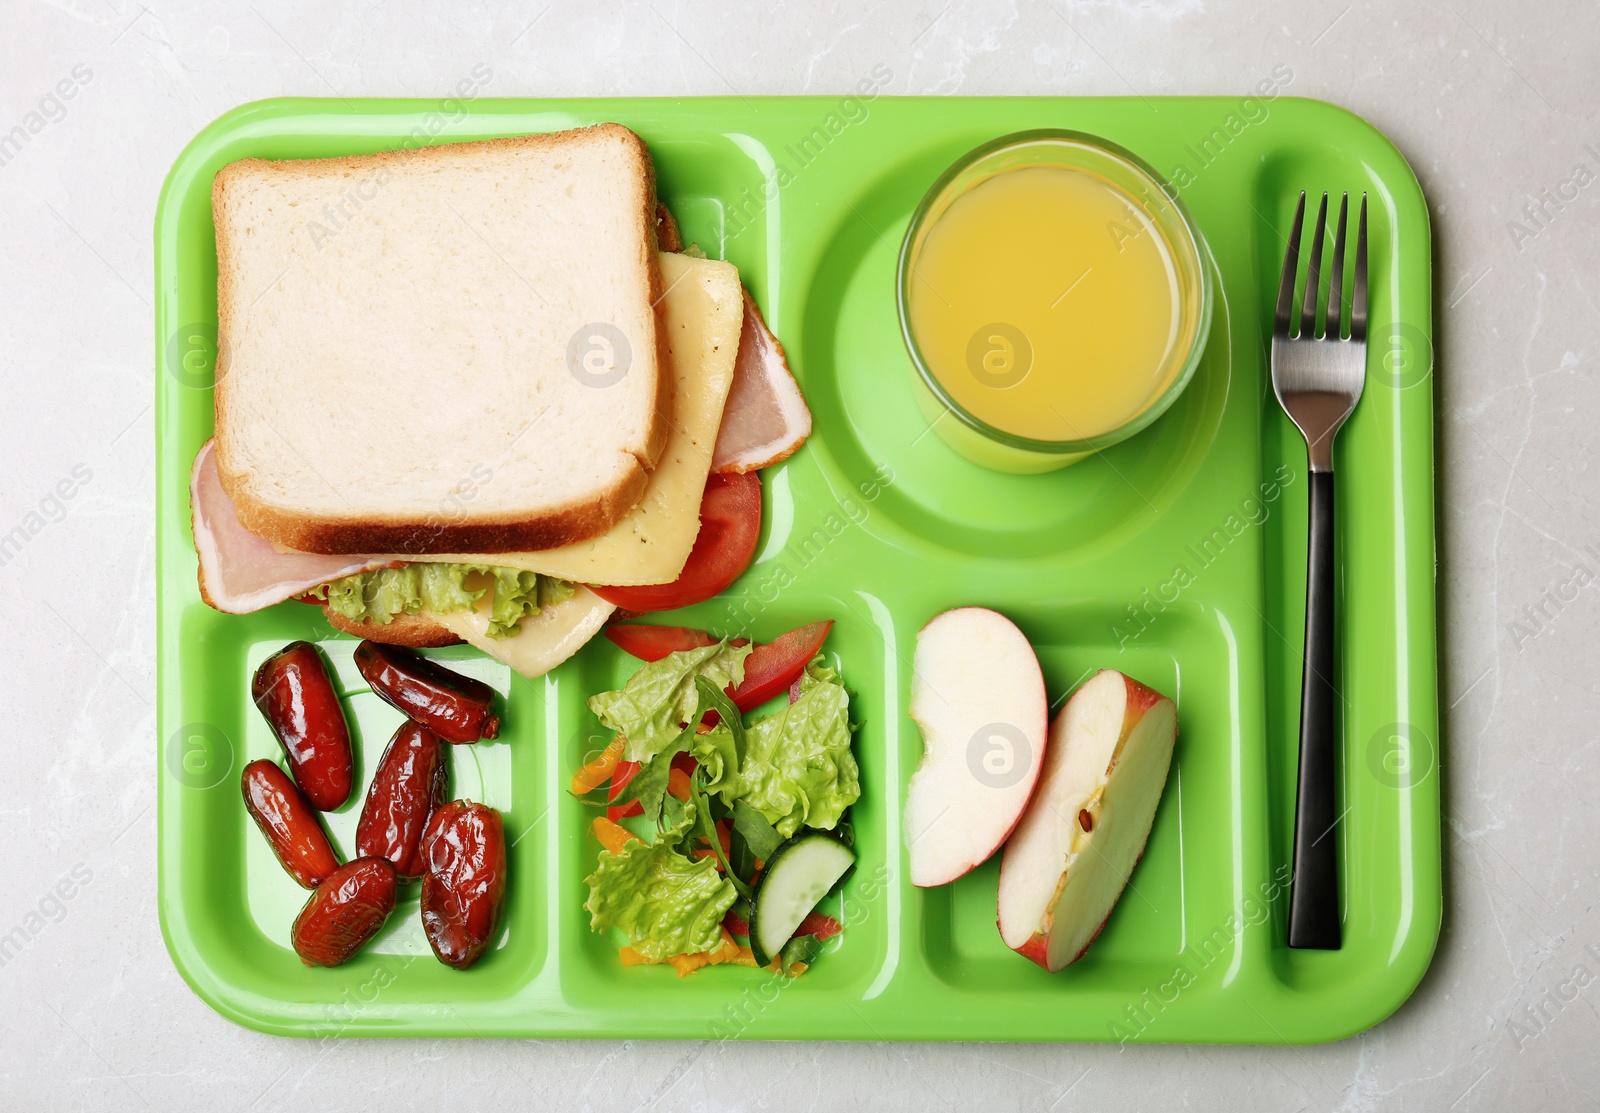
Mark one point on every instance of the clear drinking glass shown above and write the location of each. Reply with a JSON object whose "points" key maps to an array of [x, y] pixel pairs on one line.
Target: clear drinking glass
{"points": [[1126, 173]]}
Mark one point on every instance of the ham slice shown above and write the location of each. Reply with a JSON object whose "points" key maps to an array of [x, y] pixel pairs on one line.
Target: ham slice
{"points": [[240, 572], [765, 418]]}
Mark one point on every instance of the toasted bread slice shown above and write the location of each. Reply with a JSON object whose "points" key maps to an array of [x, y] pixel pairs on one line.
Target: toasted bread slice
{"points": [[668, 238], [652, 542], [455, 348], [419, 631]]}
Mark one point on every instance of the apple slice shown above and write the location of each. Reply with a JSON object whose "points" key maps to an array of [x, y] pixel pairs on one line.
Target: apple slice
{"points": [[978, 697], [1066, 864]]}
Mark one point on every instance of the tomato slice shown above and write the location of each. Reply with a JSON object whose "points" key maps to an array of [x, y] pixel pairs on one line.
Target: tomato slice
{"points": [[768, 670], [730, 526], [775, 666], [651, 643]]}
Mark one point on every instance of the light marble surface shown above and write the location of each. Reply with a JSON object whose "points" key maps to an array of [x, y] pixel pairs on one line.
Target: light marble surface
{"points": [[1493, 103]]}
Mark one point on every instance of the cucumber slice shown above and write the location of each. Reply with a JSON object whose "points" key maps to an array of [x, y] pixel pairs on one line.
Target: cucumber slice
{"points": [[798, 875]]}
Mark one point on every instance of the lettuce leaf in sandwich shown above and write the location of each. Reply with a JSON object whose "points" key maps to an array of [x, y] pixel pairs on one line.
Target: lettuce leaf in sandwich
{"points": [[439, 587]]}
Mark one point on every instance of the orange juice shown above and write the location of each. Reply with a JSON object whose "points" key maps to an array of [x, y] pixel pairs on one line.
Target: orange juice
{"points": [[1045, 301]]}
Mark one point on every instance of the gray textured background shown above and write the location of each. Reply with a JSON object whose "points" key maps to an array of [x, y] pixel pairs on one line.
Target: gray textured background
{"points": [[1494, 104]]}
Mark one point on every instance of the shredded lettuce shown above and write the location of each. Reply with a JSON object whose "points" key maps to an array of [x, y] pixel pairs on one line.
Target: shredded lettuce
{"points": [[660, 699], [667, 903], [381, 594], [797, 767]]}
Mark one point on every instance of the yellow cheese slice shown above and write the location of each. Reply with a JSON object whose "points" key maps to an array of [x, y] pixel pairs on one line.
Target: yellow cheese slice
{"points": [[704, 312], [542, 640]]}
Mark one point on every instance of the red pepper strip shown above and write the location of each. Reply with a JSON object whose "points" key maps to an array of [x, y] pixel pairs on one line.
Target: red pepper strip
{"points": [[775, 666], [620, 777], [823, 927]]}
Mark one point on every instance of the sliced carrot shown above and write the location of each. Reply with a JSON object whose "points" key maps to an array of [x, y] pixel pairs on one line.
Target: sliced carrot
{"points": [[688, 964], [678, 784], [597, 772], [631, 957], [728, 952], [611, 836], [798, 968], [723, 836]]}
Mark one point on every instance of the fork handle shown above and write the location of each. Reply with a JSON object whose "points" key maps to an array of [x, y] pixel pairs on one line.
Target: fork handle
{"points": [[1314, 900]]}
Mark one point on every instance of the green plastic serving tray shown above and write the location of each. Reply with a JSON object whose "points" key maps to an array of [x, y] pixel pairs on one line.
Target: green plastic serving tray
{"points": [[1177, 557]]}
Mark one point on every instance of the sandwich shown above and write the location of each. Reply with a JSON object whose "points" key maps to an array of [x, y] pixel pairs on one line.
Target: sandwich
{"points": [[500, 391]]}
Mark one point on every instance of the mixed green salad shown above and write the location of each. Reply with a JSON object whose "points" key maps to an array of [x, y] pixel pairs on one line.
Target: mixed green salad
{"points": [[734, 831]]}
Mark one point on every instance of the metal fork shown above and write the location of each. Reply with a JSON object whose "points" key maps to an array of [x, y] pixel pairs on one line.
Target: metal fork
{"points": [[1318, 381]]}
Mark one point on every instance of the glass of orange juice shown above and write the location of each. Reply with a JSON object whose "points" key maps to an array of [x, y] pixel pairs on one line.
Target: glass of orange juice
{"points": [[1054, 297]]}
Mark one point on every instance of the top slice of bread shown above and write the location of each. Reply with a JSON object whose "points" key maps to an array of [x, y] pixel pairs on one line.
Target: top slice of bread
{"points": [[452, 349]]}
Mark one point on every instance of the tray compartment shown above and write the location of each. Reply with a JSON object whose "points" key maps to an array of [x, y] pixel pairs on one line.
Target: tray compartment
{"points": [[1172, 898], [590, 972]]}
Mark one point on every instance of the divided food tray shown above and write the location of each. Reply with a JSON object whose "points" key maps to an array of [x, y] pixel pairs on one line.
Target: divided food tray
{"points": [[1177, 557]]}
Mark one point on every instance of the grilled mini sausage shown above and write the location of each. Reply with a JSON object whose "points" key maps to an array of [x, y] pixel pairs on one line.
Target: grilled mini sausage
{"points": [[455, 707], [294, 691], [347, 909], [465, 883], [409, 785], [289, 823]]}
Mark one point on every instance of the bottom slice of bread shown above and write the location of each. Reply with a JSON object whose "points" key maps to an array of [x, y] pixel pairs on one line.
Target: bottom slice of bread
{"points": [[419, 631]]}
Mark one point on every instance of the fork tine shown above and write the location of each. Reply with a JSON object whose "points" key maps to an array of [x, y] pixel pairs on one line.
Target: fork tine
{"points": [[1358, 295], [1291, 265], [1336, 279], [1308, 307]]}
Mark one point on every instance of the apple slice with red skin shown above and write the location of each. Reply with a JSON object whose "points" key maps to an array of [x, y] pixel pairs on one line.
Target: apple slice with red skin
{"points": [[1083, 833], [978, 697]]}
